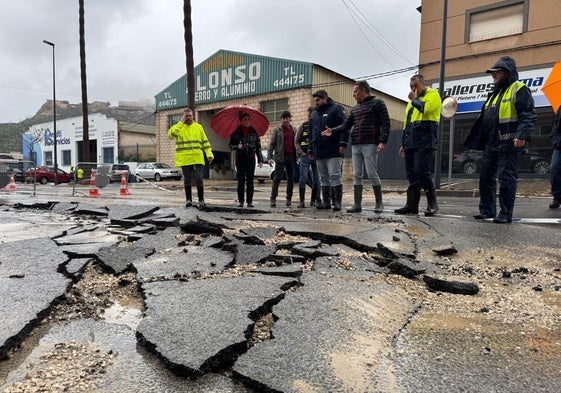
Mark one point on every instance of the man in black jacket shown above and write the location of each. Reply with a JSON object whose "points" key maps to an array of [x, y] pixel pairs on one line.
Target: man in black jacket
{"points": [[371, 126], [555, 168], [328, 149]]}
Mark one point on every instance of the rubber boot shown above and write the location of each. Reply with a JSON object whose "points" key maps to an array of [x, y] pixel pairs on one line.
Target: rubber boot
{"points": [[326, 195], [379, 208], [188, 196], [302, 195], [201, 196], [357, 206], [432, 205], [337, 196], [412, 204]]}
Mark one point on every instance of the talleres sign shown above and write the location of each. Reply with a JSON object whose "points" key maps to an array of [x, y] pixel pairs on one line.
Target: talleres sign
{"points": [[471, 93]]}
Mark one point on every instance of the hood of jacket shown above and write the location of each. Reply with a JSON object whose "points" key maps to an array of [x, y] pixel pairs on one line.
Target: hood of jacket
{"points": [[508, 64]]}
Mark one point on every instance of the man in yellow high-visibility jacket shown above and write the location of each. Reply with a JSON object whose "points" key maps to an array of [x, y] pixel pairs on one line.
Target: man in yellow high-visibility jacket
{"points": [[191, 146], [418, 144], [502, 129]]}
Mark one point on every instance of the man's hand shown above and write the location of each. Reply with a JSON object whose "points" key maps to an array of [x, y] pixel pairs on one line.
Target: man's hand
{"points": [[381, 147], [260, 164], [412, 94], [209, 159], [401, 152], [327, 132], [342, 150], [240, 146], [519, 142]]}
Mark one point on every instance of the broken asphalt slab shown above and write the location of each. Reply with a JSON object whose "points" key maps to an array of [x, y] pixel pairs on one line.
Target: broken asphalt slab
{"points": [[29, 286], [204, 325]]}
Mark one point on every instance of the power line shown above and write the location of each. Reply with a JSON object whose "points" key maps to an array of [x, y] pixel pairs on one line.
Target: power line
{"points": [[372, 28]]}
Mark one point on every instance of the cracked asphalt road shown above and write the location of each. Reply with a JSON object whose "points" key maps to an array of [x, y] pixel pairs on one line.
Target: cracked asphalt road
{"points": [[154, 298]]}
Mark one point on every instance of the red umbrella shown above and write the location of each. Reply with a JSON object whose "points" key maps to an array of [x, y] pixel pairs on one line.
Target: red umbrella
{"points": [[225, 122]]}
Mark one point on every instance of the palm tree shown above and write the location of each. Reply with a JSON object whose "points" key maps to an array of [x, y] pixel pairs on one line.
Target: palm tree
{"points": [[85, 123]]}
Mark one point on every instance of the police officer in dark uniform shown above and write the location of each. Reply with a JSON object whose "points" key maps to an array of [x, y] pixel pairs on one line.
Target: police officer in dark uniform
{"points": [[502, 129]]}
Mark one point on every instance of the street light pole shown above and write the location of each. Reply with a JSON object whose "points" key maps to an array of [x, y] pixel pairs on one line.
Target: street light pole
{"points": [[54, 113]]}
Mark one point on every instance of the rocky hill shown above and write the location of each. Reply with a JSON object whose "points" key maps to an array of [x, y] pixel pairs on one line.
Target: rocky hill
{"points": [[11, 133]]}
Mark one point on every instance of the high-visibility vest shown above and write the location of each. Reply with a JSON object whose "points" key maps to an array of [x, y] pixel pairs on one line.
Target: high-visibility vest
{"points": [[507, 106]]}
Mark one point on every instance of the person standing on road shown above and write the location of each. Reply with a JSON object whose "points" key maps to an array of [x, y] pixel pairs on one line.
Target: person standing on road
{"points": [[502, 129], [370, 125], [80, 173], [283, 152], [328, 148], [191, 146], [555, 167], [247, 145], [418, 143], [307, 166]]}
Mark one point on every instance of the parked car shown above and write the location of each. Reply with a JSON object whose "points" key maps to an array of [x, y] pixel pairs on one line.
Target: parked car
{"points": [[157, 171], [46, 174], [16, 168], [469, 162], [265, 172], [115, 171]]}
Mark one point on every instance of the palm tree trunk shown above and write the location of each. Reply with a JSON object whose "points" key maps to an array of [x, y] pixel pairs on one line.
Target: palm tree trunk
{"points": [[85, 122]]}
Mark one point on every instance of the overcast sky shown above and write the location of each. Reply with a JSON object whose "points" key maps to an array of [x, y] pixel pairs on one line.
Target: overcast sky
{"points": [[135, 48]]}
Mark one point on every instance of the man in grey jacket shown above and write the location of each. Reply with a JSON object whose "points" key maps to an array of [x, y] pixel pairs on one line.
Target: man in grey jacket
{"points": [[370, 124]]}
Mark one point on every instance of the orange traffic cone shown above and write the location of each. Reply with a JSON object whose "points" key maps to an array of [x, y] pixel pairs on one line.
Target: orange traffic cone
{"points": [[124, 191], [12, 186], [94, 192]]}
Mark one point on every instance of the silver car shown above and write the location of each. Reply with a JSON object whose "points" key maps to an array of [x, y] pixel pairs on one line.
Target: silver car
{"points": [[156, 171]]}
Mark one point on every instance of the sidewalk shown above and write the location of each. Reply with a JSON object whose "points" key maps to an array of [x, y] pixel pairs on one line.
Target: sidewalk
{"points": [[459, 187]]}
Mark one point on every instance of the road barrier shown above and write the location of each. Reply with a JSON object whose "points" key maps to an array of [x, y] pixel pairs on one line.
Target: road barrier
{"points": [[124, 191]]}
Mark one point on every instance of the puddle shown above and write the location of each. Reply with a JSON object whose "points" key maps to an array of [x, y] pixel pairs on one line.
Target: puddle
{"points": [[123, 315]]}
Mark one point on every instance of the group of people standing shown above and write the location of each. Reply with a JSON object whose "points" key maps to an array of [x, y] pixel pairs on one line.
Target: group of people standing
{"points": [[501, 131]]}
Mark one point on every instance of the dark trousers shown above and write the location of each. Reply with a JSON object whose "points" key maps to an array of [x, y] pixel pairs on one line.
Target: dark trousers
{"points": [[418, 168], [280, 168], [193, 172], [506, 165], [245, 173], [555, 174]]}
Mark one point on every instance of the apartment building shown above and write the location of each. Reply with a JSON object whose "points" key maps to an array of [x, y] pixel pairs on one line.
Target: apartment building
{"points": [[478, 33]]}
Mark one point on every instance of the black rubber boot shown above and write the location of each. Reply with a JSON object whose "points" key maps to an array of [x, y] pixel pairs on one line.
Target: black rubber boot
{"points": [[188, 196], [326, 195], [357, 206], [379, 208], [337, 196], [302, 195], [432, 205], [412, 204]]}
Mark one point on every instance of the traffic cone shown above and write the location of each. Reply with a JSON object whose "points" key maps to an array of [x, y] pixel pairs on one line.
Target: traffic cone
{"points": [[12, 186], [94, 192], [124, 191]]}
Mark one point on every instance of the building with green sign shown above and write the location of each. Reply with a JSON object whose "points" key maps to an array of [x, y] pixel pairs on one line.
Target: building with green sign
{"points": [[269, 84]]}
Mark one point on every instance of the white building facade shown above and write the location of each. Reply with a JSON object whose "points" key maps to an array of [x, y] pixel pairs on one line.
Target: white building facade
{"points": [[38, 141]]}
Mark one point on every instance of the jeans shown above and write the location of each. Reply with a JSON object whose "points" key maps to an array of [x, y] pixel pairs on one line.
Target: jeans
{"points": [[367, 156], [330, 171], [305, 164], [280, 167], [555, 174], [506, 164]]}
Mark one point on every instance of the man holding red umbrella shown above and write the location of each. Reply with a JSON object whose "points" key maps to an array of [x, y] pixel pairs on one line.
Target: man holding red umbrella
{"points": [[190, 144]]}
